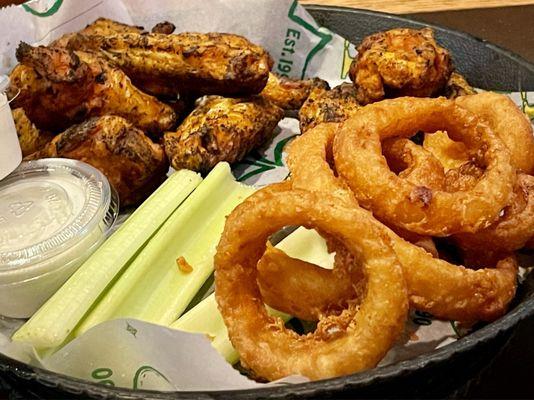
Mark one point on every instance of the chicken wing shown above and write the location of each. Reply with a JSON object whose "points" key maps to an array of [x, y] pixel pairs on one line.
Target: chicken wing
{"points": [[457, 86], [101, 26], [334, 105], [400, 62], [31, 139], [164, 27], [186, 63], [290, 94], [221, 129], [133, 164], [59, 88]]}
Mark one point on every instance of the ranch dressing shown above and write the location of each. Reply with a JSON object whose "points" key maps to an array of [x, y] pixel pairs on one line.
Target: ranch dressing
{"points": [[53, 214]]}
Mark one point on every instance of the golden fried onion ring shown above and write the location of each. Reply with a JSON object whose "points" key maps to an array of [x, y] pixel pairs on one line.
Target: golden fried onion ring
{"points": [[413, 163], [445, 290], [358, 159], [356, 339], [450, 154], [509, 124], [512, 231], [321, 292], [315, 147]]}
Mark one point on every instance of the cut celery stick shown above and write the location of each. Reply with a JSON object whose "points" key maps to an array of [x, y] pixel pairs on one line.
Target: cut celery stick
{"points": [[153, 288], [304, 244], [206, 318], [56, 319]]}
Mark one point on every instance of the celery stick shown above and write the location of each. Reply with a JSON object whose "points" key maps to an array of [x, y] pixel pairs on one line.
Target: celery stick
{"points": [[53, 322], [153, 288], [304, 244], [206, 318]]}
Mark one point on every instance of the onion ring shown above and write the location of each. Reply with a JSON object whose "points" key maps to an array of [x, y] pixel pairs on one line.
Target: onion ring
{"points": [[322, 292], [358, 159], [315, 146], [445, 290], [413, 163], [509, 124], [512, 231], [450, 154], [421, 168], [353, 341]]}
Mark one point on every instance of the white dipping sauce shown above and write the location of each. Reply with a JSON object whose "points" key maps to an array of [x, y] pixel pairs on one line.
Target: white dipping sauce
{"points": [[53, 214]]}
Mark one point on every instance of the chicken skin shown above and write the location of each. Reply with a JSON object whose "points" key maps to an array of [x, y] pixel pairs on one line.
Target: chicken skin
{"points": [[101, 26], [187, 63], [31, 139], [164, 27], [133, 164], [334, 105], [457, 86], [400, 62], [290, 94], [59, 88], [221, 129]]}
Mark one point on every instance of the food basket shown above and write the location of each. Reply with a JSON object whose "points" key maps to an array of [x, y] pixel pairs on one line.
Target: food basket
{"points": [[442, 372]]}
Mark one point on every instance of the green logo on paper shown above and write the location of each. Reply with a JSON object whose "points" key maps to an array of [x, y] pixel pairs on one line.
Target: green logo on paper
{"points": [[324, 37], [131, 329], [528, 107], [148, 377], [102, 375], [349, 54], [263, 164], [47, 13]]}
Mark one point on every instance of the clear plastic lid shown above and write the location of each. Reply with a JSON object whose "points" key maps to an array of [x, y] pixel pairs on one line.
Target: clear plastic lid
{"points": [[48, 206]]}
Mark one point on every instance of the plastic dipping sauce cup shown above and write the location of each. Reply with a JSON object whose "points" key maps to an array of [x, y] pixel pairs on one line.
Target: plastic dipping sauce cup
{"points": [[53, 214], [10, 153]]}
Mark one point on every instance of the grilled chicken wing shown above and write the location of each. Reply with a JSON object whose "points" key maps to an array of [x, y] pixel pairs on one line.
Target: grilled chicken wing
{"points": [[186, 63], [457, 86], [400, 62], [31, 139], [334, 105], [221, 129], [59, 88], [134, 165], [164, 27], [290, 94], [101, 26]]}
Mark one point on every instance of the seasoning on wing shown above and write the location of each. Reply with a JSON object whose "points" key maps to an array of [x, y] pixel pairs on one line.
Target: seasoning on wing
{"points": [[165, 27], [334, 105], [290, 94], [101, 26], [31, 139], [457, 86], [221, 129], [59, 87], [185, 63], [400, 62], [134, 165]]}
